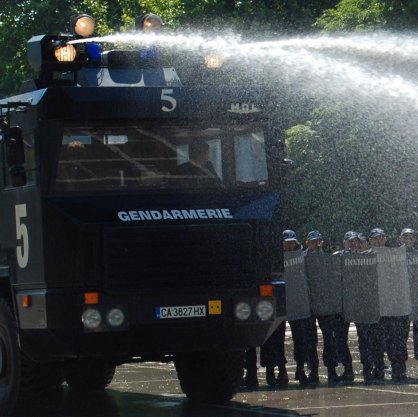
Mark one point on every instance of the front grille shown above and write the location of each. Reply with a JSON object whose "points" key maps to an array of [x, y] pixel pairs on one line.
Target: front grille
{"points": [[146, 258]]}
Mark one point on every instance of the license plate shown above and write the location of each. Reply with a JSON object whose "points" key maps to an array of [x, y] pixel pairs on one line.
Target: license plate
{"points": [[180, 312]]}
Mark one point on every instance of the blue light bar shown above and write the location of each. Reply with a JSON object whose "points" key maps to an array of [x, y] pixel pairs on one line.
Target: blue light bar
{"points": [[94, 52], [149, 57]]}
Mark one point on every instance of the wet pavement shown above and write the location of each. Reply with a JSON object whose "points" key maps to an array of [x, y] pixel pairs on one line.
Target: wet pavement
{"points": [[152, 390]]}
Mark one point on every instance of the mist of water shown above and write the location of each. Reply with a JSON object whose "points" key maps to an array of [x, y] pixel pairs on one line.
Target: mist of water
{"points": [[372, 77], [367, 65]]}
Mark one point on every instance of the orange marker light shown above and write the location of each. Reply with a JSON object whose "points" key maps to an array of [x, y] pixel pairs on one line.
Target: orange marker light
{"points": [[91, 298], [26, 301], [266, 290]]}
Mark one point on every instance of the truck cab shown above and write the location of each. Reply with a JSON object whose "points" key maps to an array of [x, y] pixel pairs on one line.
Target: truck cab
{"points": [[140, 222]]}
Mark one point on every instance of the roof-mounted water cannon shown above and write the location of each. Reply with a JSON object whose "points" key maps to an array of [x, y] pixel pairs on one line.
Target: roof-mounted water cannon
{"points": [[74, 59], [214, 60], [149, 22], [144, 58], [52, 52], [56, 53], [82, 25]]}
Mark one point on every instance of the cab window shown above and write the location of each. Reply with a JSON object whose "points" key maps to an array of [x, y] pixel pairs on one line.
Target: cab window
{"points": [[152, 158]]}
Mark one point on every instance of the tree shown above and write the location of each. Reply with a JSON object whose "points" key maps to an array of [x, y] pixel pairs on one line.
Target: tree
{"points": [[355, 171], [19, 21], [349, 15]]}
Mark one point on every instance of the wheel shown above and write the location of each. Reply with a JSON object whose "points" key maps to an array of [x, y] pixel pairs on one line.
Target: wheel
{"points": [[210, 376], [22, 381], [88, 374]]}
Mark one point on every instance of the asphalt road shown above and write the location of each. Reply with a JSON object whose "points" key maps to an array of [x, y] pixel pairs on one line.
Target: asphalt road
{"points": [[152, 390]]}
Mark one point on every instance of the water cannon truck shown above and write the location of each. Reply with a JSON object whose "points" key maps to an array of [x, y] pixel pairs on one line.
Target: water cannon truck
{"points": [[140, 219]]}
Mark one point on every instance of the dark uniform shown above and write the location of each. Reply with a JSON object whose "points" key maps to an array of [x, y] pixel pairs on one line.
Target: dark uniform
{"points": [[371, 341], [390, 333], [415, 338], [326, 323], [396, 330], [271, 355], [408, 237], [350, 244], [304, 336], [305, 342], [250, 380]]}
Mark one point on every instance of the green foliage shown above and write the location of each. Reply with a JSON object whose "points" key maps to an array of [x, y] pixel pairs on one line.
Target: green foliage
{"points": [[21, 20], [360, 15], [353, 15], [254, 16], [351, 174]]}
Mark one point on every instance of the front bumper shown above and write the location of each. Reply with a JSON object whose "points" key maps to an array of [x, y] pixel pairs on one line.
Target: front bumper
{"points": [[51, 327]]}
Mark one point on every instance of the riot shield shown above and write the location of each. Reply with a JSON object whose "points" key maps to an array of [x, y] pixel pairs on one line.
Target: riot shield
{"points": [[297, 292], [360, 288], [394, 294], [324, 281], [412, 262]]}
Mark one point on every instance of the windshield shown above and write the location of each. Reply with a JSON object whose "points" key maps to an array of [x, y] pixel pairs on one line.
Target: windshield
{"points": [[169, 157]]}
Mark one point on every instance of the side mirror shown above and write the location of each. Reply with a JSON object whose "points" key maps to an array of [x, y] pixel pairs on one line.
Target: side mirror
{"points": [[15, 151], [288, 167], [17, 176]]}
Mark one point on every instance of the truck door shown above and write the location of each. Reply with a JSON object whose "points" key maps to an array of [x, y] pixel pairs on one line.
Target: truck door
{"points": [[21, 220]]}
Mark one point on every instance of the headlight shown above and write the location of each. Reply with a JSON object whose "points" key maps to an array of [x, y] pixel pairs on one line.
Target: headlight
{"points": [[82, 25], [242, 311], [265, 310], [66, 53], [91, 318], [115, 317], [214, 61], [151, 22]]}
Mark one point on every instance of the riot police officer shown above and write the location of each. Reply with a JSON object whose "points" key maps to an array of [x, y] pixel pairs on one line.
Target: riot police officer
{"points": [[350, 244], [304, 347], [314, 243], [272, 354], [370, 337], [393, 330], [408, 238]]}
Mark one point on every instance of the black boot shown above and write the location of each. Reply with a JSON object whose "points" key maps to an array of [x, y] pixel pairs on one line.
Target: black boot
{"points": [[313, 378], [270, 378], [283, 378], [301, 376], [399, 372], [348, 374], [367, 376], [378, 374], [251, 380], [332, 376]]}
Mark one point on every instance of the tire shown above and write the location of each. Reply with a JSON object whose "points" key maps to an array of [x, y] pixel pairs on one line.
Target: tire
{"points": [[10, 361], [210, 377], [88, 374], [22, 381]]}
